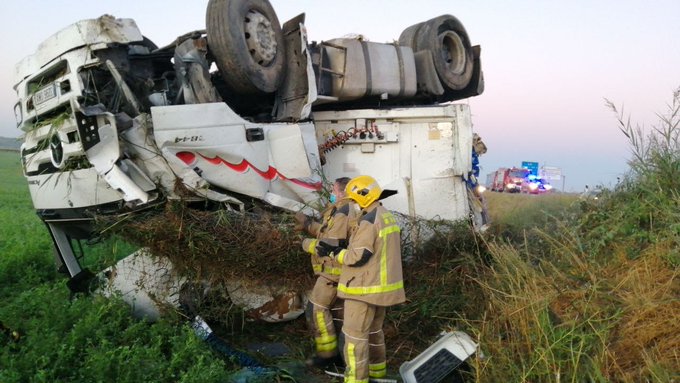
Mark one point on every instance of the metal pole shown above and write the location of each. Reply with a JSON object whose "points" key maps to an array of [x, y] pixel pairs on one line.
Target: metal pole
{"points": [[564, 181]]}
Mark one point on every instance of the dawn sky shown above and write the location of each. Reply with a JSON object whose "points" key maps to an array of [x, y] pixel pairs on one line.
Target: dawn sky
{"points": [[548, 65]]}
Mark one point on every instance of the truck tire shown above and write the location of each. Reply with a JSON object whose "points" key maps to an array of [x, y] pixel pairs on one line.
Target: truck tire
{"points": [[245, 38], [408, 36], [450, 45]]}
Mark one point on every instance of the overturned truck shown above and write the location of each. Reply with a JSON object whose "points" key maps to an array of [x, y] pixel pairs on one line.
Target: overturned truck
{"points": [[243, 112]]}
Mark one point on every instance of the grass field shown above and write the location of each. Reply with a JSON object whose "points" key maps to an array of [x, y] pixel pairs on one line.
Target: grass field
{"points": [[24, 242], [49, 336], [512, 213]]}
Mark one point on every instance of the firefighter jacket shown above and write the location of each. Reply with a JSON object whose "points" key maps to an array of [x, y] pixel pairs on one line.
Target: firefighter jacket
{"points": [[333, 230], [371, 264]]}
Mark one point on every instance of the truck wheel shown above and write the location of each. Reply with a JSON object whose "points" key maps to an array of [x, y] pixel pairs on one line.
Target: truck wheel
{"points": [[245, 38], [408, 36], [447, 39]]}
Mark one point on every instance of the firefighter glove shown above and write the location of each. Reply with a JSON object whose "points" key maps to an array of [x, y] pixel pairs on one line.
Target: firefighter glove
{"points": [[302, 221], [324, 249]]}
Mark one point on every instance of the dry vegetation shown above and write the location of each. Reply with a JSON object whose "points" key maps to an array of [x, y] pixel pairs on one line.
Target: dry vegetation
{"points": [[555, 312], [545, 302]]}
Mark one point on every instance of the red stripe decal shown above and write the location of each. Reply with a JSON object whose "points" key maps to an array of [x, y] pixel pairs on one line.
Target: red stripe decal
{"points": [[189, 158]]}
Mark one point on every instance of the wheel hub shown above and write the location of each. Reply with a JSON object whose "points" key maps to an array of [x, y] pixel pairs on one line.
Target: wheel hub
{"points": [[260, 38], [453, 51]]}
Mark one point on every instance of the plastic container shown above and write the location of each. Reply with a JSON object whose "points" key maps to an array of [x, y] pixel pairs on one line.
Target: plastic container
{"points": [[440, 359]]}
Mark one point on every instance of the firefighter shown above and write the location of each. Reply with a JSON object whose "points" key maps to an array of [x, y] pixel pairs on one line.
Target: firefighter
{"points": [[370, 280], [332, 231]]}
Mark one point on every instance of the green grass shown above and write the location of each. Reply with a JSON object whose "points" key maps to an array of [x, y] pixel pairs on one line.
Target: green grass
{"points": [[25, 245], [82, 338], [24, 242], [513, 213], [97, 340]]}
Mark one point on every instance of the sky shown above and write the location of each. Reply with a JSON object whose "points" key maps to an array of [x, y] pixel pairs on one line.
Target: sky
{"points": [[548, 65]]}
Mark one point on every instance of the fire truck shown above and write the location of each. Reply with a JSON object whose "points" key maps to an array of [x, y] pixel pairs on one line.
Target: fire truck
{"points": [[508, 180]]}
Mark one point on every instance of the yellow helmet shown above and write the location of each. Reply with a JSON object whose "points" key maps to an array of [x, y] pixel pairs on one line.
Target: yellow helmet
{"points": [[364, 190]]}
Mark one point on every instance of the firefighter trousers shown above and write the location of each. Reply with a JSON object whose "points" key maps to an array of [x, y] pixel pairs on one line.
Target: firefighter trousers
{"points": [[364, 349], [323, 296]]}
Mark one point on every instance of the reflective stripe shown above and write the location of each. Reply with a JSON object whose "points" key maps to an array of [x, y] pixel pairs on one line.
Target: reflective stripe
{"points": [[317, 268], [341, 256], [332, 270], [383, 256], [378, 370], [384, 287], [351, 376], [326, 339], [383, 265], [321, 324], [352, 373], [312, 246], [325, 342], [326, 346], [388, 218], [370, 289], [388, 230]]}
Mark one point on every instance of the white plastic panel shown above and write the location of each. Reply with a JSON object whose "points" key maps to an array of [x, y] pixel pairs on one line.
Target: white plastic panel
{"points": [[212, 141], [426, 164], [288, 151], [72, 189]]}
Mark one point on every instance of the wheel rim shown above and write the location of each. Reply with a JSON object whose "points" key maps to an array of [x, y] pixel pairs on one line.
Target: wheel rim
{"points": [[260, 38], [452, 51]]}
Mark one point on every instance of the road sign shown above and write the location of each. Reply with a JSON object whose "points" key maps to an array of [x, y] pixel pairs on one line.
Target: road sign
{"points": [[532, 166], [551, 173]]}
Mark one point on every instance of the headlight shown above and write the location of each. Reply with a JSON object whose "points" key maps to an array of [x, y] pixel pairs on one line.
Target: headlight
{"points": [[533, 186], [480, 189], [547, 187], [510, 186]]}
